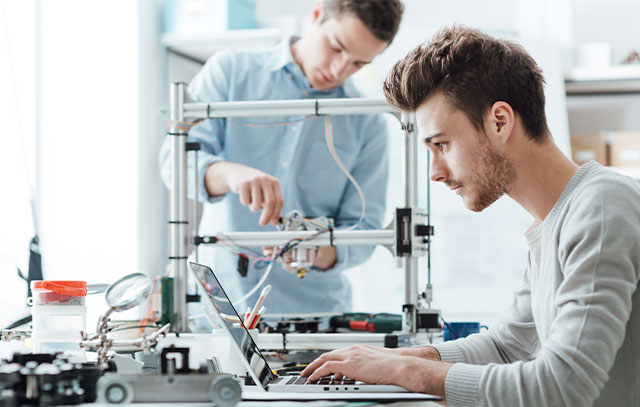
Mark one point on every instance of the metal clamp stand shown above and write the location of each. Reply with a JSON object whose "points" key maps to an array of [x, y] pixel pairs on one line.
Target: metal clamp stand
{"points": [[409, 239]]}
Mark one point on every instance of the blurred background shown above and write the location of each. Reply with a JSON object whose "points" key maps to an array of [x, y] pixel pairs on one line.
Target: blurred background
{"points": [[84, 85]]}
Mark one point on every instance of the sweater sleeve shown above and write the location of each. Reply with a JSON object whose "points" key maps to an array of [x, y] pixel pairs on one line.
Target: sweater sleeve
{"points": [[599, 257], [512, 338]]}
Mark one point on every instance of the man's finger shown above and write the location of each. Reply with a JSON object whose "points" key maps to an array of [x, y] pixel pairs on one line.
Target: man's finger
{"points": [[245, 194], [278, 202], [269, 207], [311, 367], [256, 198], [325, 370]]}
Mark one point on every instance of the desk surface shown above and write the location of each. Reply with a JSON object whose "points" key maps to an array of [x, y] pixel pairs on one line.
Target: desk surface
{"points": [[284, 404]]}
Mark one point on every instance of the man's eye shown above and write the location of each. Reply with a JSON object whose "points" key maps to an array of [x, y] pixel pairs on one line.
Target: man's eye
{"points": [[440, 145]]}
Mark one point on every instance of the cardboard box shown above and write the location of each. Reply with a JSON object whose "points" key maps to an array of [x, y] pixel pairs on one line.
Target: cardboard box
{"points": [[624, 148], [587, 147]]}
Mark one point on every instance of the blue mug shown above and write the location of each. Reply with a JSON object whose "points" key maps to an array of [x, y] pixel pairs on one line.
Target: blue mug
{"points": [[456, 330]]}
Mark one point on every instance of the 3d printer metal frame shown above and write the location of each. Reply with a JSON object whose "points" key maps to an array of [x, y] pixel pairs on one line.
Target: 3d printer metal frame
{"points": [[408, 239]]}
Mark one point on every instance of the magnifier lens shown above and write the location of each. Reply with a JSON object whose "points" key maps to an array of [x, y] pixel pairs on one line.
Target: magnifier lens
{"points": [[129, 291]]}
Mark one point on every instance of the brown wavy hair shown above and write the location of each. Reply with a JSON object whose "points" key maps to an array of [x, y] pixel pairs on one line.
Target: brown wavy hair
{"points": [[473, 71], [381, 17]]}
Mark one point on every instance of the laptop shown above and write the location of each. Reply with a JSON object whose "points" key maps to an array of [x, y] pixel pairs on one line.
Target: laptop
{"points": [[216, 302]]}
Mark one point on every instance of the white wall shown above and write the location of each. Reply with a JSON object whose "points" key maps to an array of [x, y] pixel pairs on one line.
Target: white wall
{"points": [[88, 142], [615, 22], [17, 158]]}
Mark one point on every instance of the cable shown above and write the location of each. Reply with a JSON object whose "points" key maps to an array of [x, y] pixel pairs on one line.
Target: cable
{"points": [[453, 335], [285, 248], [19, 322], [328, 129], [237, 245], [255, 288]]}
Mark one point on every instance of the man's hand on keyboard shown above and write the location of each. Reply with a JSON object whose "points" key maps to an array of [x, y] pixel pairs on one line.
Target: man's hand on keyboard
{"points": [[375, 365]]}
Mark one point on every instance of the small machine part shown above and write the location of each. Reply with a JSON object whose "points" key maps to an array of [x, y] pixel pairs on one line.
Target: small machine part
{"points": [[14, 335], [243, 264], [303, 257], [175, 383], [412, 232], [426, 318], [46, 380]]}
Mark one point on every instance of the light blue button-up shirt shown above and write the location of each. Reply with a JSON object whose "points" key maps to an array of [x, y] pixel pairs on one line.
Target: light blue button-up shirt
{"points": [[297, 155]]}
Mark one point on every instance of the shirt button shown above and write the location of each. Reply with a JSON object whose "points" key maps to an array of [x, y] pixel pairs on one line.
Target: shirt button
{"points": [[285, 164], [294, 128]]}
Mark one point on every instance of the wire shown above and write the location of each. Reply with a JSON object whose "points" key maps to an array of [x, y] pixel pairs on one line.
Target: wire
{"points": [[242, 299], [225, 237], [185, 126], [20, 322], [453, 335], [285, 248], [328, 131]]}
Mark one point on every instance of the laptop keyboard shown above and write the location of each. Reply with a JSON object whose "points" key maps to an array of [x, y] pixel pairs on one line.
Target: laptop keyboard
{"points": [[299, 380]]}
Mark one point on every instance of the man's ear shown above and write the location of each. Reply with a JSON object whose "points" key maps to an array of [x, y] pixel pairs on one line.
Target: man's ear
{"points": [[317, 12], [500, 121]]}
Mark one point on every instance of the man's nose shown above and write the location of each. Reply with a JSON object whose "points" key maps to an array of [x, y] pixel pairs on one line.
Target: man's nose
{"points": [[339, 67], [437, 171]]}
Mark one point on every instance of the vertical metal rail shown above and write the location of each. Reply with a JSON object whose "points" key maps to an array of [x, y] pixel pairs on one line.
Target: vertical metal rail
{"points": [[409, 318], [178, 223], [429, 288]]}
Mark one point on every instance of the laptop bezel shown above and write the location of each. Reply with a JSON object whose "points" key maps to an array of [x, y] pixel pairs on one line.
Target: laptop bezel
{"points": [[213, 309]]}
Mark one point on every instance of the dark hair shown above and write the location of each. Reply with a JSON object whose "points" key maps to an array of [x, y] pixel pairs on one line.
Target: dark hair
{"points": [[381, 17], [473, 71]]}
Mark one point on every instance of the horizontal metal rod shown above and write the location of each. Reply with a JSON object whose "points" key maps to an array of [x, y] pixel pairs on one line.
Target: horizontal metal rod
{"points": [[304, 107], [340, 238]]}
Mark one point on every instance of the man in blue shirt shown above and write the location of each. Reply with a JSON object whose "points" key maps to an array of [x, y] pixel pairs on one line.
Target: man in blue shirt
{"points": [[253, 170]]}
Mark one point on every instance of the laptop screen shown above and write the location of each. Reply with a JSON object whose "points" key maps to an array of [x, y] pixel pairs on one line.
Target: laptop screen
{"points": [[219, 303]]}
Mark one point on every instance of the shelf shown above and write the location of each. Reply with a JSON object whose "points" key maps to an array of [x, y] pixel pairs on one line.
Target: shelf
{"points": [[199, 48], [618, 79]]}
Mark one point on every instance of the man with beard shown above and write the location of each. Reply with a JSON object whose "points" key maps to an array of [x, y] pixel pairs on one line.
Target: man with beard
{"points": [[572, 334]]}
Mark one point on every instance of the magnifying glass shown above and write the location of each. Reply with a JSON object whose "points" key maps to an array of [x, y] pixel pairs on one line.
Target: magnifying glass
{"points": [[128, 292]]}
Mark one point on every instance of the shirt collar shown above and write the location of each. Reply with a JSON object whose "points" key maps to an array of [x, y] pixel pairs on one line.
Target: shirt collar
{"points": [[284, 57]]}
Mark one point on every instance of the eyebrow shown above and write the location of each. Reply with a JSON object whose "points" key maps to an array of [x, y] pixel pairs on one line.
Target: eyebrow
{"points": [[429, 139], [345, 48]]}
